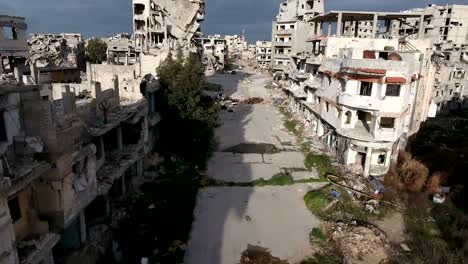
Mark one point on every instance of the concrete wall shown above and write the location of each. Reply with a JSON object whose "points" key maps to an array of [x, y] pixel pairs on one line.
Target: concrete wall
{"points": [[7, 243], [11, 115]]}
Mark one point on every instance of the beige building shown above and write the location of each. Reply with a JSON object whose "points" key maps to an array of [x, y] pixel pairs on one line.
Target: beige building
{"points": [[71, 150], [363, 88], [263, 54], [290, 32], [215, 53]]}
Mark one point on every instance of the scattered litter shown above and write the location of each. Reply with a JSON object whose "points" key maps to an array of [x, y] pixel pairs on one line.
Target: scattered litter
{"points": [[335, 194], [438, 199], [405, 247]]}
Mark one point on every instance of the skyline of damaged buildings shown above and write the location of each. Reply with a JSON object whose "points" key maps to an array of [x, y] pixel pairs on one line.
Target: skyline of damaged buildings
{"points": [[73, 146], [363, 82]]}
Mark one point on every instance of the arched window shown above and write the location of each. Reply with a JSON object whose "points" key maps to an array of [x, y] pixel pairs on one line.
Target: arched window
{"points": [[348, 117]]}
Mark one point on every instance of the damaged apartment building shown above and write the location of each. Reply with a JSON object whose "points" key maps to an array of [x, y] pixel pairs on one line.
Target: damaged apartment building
{"points": [[362, 86], [163, 26], [263, 54], [73, 150], [290, 31], [215, 53]]}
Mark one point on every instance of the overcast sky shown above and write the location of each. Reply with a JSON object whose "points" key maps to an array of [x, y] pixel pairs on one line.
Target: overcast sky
{"points": [[106, 17]]}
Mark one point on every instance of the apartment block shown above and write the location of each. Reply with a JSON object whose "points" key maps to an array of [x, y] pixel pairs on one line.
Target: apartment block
{"points": [[263, 54], [215, 53], [291, 30]]}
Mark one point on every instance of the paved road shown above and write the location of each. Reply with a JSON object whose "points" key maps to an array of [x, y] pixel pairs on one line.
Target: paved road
{"points": [[228, 219]]}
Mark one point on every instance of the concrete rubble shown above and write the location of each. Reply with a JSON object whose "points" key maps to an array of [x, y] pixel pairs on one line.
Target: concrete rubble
{"points": [[57, 50], [360, 244]]}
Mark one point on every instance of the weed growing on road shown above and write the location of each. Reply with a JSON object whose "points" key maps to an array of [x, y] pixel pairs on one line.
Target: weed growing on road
{"points": [[321, 162], [277, 180]]}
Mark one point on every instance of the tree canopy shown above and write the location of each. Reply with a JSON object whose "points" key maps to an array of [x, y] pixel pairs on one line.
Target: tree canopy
{"points": [[96, 51], [189, 117]]}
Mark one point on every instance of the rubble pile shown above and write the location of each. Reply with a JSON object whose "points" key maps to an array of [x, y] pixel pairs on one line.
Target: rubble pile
{"points": [[361, 244], [259, 255], [8, 79], [56, 51], [253, 100]]}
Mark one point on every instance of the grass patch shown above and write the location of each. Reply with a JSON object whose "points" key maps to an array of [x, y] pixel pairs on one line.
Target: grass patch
{"points": [[277, 180], [317, 201], [321, 162]]}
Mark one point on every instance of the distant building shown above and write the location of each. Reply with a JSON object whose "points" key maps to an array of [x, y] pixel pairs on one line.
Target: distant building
{"points": [[263, 54]]}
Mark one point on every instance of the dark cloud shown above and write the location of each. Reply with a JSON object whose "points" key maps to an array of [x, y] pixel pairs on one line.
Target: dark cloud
{"points": [[106, 17]]}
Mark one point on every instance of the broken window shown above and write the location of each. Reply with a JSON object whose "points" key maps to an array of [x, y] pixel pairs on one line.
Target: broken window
{"points": [[387, 122], [393, 90], [15, 209], [139, 9], [140, 24], [348, 117], [381, 159], [3, 131], [365, 89], [10, 33]]}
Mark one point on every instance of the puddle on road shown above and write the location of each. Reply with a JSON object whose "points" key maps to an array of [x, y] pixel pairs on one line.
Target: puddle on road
{"points": [[257, 148]]}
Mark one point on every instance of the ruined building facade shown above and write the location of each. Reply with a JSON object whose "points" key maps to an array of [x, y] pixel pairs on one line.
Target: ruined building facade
{"points": [[215, 53], [363, 87], [163, 26], [71, 151], [290, 31]]}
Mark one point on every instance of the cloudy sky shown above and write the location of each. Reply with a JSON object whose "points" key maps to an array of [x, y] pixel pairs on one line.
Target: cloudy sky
{"points": [[106, 17]]}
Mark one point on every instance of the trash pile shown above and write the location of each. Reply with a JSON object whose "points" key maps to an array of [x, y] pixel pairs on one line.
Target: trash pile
{"points": [[56, 50], [360, 244]]}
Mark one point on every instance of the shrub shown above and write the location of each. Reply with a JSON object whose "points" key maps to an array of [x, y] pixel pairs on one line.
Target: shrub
{"points": [[413, 173], [321, 162]]}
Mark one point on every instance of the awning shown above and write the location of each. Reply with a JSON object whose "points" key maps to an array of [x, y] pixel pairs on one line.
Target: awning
{"points": [[395, 80]]}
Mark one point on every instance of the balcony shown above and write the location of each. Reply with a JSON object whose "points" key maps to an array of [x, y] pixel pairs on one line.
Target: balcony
{"points": [[30, 251], [315, 60], [359, 101], [298, 76], [387, 104], [284, 31], [375, 66], [282, 44], [280, 67]]}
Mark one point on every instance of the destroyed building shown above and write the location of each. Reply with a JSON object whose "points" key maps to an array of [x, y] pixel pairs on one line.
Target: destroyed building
{"points": [[236, 45], [290, 31], [121, 49], [57, 50], [263, 54], [363, 87], [70, 152], [163, 26], [215, 53]]}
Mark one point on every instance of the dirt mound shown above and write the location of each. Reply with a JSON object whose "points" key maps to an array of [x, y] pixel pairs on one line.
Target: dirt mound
{"points": [[259, 255], [361, 244], [253, 100]]}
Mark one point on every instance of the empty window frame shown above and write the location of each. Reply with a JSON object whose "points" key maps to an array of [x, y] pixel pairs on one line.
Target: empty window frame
{"points": [[387, 122], [15, 209], [365, 89], [393, 90]]}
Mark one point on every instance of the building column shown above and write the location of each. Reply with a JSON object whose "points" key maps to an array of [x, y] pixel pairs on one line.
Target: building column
{"points": [[329, 29], [83, 233], [126, 58], [367, 163], [421, 27], [18, 72], [119, 138], [374, 26], [339, 24]]}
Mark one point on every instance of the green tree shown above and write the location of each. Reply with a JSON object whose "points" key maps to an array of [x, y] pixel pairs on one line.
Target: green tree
{"points": [[189, 117], [96, 51]]}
